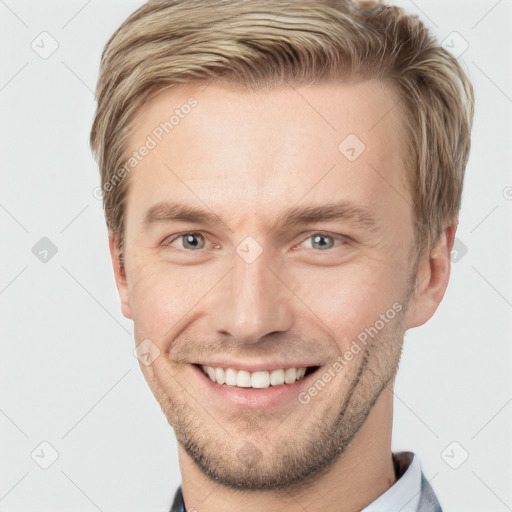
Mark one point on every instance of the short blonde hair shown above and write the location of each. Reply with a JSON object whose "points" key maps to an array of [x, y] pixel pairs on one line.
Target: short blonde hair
{"points": [[261, 44]]}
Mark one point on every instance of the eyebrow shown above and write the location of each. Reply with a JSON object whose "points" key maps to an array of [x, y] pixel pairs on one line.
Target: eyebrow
{"points": [[168, 212], [295, 216]]}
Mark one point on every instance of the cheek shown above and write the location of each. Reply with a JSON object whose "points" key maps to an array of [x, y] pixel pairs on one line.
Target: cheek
{"points": [[162, 296], [349, 299], [158, 300]]}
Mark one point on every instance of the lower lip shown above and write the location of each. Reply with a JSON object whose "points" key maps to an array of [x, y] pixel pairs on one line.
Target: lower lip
{"points": [[254, 398]]}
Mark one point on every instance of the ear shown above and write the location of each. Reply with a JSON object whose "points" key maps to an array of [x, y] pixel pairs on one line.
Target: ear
{"points": [[119, 274], [431, 279]]}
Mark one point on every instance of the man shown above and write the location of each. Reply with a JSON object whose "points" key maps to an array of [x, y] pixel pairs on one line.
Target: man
{"points": [[281, 184]]}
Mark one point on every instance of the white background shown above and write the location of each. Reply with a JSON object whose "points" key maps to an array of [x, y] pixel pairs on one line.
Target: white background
{"points": [[68, 374]]}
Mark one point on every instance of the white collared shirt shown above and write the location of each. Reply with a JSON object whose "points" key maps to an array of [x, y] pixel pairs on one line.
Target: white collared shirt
{"points": [[403, 495]]}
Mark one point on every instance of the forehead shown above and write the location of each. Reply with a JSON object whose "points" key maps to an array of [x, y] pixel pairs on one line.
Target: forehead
{"points": [[238, 151]]}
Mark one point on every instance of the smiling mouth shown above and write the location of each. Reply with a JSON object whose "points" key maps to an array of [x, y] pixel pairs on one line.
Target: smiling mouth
{"points": [[259, 379]]}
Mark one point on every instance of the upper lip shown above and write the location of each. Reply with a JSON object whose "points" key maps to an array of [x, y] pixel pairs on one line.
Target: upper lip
{"points": [[255, 366]]}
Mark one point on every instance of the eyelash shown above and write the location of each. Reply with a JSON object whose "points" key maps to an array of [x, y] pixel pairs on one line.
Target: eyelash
{"points": [[342, 240]]}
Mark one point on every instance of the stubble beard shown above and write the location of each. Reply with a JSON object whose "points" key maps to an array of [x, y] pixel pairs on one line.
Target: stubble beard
{"points": [[295, 453]]}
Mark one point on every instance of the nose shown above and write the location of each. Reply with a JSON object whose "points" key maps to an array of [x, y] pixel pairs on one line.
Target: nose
{"points": [[252, 302]]}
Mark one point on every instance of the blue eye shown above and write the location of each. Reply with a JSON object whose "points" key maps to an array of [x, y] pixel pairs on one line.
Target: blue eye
{"points": [[319, 240], [323, 242], [193, 241], [190, 240]]}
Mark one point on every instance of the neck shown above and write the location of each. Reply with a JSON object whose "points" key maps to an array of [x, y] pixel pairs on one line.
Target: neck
{"points": [[357, 478]]}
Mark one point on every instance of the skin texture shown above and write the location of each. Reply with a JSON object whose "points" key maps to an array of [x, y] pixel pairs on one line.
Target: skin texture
{"points": [[248, 158]]}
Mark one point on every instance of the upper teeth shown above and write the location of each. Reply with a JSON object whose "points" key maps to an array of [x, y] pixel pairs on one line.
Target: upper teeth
{"points": [[260, 379]]}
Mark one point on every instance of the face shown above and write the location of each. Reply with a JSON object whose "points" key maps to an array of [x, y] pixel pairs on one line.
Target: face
{"points": [[267, 237]]}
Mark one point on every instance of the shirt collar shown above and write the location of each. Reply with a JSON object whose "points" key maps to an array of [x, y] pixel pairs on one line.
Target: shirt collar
{"points": [[404, 494]]}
